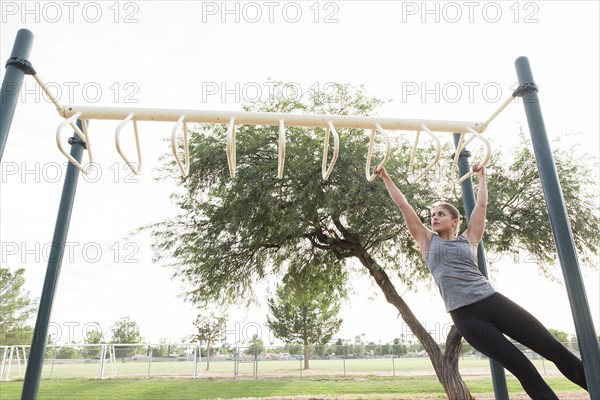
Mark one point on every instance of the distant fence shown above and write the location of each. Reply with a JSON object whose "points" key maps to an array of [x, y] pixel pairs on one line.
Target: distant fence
{"points": [[102, 361]]}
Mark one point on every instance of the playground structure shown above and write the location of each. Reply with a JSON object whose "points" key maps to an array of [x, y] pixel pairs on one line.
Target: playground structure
{"points": [[73, 113], [76, 116]]}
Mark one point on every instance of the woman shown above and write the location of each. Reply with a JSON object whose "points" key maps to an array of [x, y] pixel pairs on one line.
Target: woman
{"points": [[482, 315]]}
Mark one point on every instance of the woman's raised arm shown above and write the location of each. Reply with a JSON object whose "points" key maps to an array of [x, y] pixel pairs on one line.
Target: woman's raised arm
{"points": [[418, 231], [474, 232]]}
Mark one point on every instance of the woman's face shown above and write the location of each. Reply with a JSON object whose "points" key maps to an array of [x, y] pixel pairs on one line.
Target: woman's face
{"points": [[442, 220]]}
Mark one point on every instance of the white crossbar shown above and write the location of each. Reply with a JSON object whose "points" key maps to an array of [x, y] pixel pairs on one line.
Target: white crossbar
{"points": [[270, 118]]}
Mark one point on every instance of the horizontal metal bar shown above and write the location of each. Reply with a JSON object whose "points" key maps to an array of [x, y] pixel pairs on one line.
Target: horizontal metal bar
{"points": [[269, 118]]}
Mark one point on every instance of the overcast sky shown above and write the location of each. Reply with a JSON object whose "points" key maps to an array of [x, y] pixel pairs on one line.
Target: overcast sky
{"points": [[435, 60]]}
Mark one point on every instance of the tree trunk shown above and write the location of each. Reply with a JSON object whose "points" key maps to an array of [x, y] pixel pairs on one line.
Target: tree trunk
{"points": [[207, 357], [446, 364], [306, 351]]}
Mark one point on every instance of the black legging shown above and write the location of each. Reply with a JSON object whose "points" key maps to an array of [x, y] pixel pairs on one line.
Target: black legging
{"points": [[483, 324]]}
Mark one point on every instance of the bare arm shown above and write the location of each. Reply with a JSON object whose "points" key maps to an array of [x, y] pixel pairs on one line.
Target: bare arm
{"points": [[418, 231], [474, 232]]}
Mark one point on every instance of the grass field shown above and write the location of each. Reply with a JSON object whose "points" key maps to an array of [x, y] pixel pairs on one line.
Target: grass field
{"points": [[352, 379], [421, 387], [400, 378], [470, 367]]}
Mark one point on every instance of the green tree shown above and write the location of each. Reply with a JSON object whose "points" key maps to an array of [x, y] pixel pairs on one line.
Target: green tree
{"points": [[162, 350], [93, 337], [125, 331], [322, 350], [232, 233], [304, 314], [398, 348], [67, 353], [257, 347], [226, 349], [358, 350], [211, 329], [293, 349], [561, 336], [16, 308], [340, 348], [373, 349], [517, 216]]}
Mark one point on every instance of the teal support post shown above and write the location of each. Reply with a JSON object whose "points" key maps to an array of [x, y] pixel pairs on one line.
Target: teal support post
{"points": [[561, 228], [33, 373], [17, 67]]}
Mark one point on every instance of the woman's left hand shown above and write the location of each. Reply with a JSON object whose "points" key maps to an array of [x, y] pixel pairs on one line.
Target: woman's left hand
{"points": [[479, 170]]}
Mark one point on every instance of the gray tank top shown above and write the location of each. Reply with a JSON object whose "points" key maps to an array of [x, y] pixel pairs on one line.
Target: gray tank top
{"points": [[453, 265]]}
